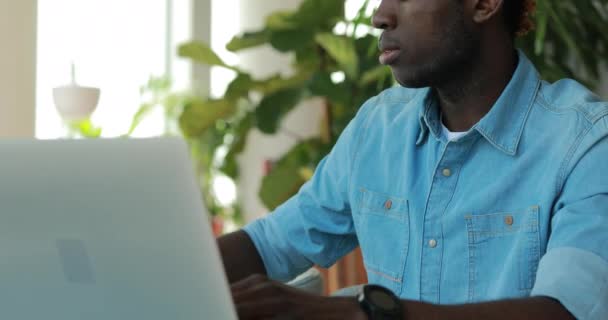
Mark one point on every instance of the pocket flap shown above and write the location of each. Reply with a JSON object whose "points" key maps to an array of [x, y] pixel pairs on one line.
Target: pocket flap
{"points": [[383, 204], [500, 224]]}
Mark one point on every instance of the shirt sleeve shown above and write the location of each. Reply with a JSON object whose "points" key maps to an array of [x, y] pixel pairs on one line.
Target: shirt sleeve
{"points": [[574, 270], [315, 226]]}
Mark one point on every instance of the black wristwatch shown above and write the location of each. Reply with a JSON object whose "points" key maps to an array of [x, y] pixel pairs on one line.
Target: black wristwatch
{"points": [[379, 303]]}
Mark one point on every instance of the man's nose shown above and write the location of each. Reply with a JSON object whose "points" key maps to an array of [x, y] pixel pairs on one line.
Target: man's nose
{"points": [[385, 16]]}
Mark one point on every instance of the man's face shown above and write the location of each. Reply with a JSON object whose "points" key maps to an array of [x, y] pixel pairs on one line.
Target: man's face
{"points": [[425, 42]]}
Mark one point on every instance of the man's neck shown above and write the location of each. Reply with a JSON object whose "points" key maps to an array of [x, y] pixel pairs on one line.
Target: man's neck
{"points": [[467, 99]]}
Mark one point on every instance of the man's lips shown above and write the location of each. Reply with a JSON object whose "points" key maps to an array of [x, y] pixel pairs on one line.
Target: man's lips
{"points": [[389, 49], [388, 56]]}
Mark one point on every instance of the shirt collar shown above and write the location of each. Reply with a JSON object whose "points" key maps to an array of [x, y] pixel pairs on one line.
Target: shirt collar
{"points": [[429, 117], [504, 124]]}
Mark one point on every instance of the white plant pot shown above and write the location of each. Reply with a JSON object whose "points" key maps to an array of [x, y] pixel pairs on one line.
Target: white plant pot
{"points": [[75, 103]]}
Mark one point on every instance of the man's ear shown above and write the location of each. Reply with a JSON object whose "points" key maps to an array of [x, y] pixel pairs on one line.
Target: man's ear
{"points": [[484, 10]]}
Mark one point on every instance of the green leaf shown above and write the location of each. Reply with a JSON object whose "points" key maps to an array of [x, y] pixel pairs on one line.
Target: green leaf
{"points": [[560, 27], [239, 87], [282, 20], [237, 145], [248, 40], [277, 83], [341, 49], [312, 15], [85, 128], [320, 13], [291, 40], [280, 185], [307, 59], [158, 85], [541, 33], [198, 116], [274, 107], [289, 173], [321, 84], [202, 53], [139, 116]]}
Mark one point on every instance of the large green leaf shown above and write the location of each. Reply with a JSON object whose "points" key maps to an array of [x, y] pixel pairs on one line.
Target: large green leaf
{"points": [[291, 40], [312, 15], [201, 53], [274, 107], [198, 116], [321, 85], [277, 83], [341, 49], [307, 59], [290, 173], [282, 183], [320, 13], [248, 40], [282, 20], [239, 87], [293, 31]]}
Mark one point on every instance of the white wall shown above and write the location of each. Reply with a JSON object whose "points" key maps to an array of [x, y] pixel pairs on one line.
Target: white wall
{"points": [[17, 67]]}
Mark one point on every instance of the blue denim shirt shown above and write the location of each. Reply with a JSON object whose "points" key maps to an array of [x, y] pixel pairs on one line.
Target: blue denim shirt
{"points": [[516, 208]]}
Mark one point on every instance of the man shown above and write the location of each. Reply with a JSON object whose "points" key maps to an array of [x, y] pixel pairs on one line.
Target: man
{"points": [[475, 190]]}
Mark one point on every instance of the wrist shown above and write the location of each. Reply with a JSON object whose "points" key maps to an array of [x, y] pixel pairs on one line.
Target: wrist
{"points": [[348, 308]]}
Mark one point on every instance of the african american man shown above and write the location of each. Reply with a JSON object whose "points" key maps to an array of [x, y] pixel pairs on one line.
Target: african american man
{"points": [[475, 189]]}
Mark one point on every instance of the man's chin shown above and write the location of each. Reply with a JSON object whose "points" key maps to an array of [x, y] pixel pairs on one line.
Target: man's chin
{"points": [[412, 83], [410, 80]]}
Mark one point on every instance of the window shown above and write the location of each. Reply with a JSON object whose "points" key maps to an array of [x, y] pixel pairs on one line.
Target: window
{"points": [[115, 46]]}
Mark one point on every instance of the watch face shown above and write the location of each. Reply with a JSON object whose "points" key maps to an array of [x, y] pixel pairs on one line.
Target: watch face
{"points": [[382, 300]]}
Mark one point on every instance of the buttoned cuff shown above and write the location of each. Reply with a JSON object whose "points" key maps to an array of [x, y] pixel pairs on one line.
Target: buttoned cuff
{"points": [[576, 278]]}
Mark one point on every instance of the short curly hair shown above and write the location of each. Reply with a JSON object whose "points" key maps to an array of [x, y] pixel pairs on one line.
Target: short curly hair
{"points": [[518, 14]]}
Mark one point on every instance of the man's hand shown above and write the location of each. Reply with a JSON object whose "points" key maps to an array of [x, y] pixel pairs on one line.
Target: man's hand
{"points": [[258, 297]]}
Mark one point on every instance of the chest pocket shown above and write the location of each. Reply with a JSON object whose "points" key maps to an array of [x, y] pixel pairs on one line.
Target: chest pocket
{"points": [[383, 231], [504, 251]]}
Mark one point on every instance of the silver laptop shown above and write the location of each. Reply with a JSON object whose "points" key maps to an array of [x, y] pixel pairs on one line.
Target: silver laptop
{"points": [[105, 229]]}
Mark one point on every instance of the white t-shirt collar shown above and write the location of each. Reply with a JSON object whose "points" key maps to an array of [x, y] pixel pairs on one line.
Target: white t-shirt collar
{"points": [[449, 135]]}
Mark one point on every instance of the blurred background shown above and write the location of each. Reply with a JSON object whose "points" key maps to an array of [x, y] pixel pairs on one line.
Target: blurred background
{"points": [[261, 89]]}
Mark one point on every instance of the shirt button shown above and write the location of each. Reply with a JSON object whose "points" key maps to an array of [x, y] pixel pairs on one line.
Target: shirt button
{"points": [[432, 243], [447, 172], [388, 204], [509, 220]]}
